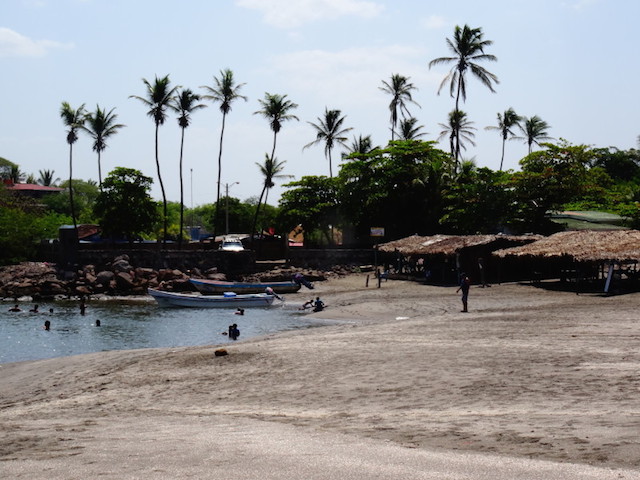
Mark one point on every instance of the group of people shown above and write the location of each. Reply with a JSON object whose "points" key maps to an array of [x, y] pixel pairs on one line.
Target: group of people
{"points": [[317, 305], [47, 323]]}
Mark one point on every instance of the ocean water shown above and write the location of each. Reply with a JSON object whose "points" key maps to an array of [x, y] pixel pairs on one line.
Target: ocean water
{"points": [[128, 325]]}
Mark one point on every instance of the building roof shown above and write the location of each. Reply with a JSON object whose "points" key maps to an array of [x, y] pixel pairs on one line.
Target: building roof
{"points": [[32, 187], [449, 244], [582, 246]]}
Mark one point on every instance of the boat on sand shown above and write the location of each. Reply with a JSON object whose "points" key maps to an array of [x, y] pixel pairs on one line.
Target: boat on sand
{"points": [[197, 300]]}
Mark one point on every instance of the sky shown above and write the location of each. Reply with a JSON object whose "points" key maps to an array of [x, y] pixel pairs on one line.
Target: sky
{"points": [[574, 63]]}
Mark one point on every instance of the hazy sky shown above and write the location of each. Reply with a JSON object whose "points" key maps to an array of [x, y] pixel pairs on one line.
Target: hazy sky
{"points": [[574, 63]]}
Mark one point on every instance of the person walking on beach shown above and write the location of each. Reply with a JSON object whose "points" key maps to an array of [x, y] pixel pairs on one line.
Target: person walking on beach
{"points": [[465, 283]]}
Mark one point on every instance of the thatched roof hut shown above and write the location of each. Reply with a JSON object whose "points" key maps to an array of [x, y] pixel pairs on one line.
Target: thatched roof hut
{"points": [[582, 246], [449, 244]]}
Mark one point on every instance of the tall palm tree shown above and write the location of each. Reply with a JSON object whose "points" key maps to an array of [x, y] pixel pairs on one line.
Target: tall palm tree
{"points": [[400, 90], [159, 96], [409, 130], [47, 179], [73, 119], [16, 175], [270, 170], [329, 131], [467, 47], [184, 104], [100, 126], [225, 92], [506, 121], [534, 130], [276, 108], [457, 128]]}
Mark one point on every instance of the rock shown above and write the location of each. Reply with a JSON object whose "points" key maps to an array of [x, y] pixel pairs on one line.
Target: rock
{"points": [[124, 281], [121, 265], [104, 277]]}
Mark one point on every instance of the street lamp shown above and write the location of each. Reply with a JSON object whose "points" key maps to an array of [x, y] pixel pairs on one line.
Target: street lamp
{"points": [[226, 185]]}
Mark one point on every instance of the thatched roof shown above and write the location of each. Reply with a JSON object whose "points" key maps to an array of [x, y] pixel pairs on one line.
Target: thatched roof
{"points": [[582, 246], [448, 244]]}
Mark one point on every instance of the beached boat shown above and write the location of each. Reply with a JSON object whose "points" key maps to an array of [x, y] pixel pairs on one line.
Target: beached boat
{"points": [[197, 300], [219, 287]]}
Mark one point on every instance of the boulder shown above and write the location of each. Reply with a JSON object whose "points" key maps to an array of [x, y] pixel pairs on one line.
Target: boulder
{"points": [[124, 281]]}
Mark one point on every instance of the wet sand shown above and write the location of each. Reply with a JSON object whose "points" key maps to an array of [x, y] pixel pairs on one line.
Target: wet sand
{"points": [[528, 375]]}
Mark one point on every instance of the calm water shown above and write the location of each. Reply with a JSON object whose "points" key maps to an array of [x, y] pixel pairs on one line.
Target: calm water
{"points": [[131, 325]]}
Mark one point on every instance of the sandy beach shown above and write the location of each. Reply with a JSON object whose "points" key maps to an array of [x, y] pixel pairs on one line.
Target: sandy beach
{"points": [[532, 382]]}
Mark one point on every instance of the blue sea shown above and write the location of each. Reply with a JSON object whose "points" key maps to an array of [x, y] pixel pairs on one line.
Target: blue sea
{"points": [[128, 325]]}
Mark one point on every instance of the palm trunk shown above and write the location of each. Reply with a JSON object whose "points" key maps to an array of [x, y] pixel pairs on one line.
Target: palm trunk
{"points": [[181, 193], [99, 172], [217, 219], [255, 218], [330, 168], [164, 196], [502, 158], [73, 208]]}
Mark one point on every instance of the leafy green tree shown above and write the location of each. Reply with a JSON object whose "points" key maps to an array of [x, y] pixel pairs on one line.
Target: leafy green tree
{"points": [[84, 194], [398, 188], [534, 130], [330, 132], [549, 179], [468, 48], [311, 203], [100, 125], [225, 92], [47, 178], [479, 201], [159, 97], [73, 119], [124, 206], [400, 90], [184, 104], [5, 168], [458, 130], [409, 130], [506, 122]]}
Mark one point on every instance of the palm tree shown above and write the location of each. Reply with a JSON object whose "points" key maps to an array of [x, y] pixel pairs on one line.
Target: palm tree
{"points": [[360, 145], [159, 96], [46, 178], [184, 103], [409, 130], [329, 131], [534, 130], [468, 48], [506, 122], [16, 175], [270, 170], [400, 90], [73, 119], [275, 108], [100, 126], [225, 91], [457, 128]]}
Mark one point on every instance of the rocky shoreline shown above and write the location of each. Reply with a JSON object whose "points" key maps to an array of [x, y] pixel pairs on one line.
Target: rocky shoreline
{"points": [[45, 281]]}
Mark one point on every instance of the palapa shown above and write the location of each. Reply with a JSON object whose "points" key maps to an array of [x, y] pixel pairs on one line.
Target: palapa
{"points": [[447, 244], [582, 246]]}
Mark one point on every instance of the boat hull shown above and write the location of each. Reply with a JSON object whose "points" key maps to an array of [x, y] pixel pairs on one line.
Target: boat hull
{"points": [[219, 287], [173, 299]]}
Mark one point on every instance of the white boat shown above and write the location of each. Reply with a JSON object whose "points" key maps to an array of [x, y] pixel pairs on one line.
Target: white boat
{"points": [[197, 300]]}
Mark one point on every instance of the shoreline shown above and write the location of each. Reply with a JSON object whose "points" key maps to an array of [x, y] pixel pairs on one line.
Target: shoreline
{"points": [[529, 373]]}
